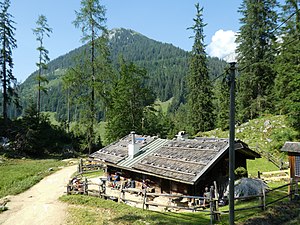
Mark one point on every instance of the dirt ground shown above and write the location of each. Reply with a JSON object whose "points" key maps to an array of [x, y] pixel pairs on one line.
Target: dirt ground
{"points": [[40, 205]]}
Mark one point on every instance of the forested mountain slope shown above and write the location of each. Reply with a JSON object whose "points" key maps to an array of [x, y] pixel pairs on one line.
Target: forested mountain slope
{"points": [[166, 67]]}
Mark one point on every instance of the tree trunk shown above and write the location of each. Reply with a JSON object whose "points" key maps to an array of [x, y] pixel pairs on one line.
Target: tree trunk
{"points": [[4, 82]]}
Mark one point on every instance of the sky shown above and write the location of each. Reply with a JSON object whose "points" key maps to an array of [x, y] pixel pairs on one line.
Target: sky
{"points": [[162, 20]]}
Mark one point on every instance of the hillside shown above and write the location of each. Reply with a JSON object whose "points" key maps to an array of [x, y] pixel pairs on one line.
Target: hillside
{"points": [[166, 67], [266, 134]]}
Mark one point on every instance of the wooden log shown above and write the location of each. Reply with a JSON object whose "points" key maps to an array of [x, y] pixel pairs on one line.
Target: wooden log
{"points": [[174, 195], [274, 172], [285, 185], [248, 197]]}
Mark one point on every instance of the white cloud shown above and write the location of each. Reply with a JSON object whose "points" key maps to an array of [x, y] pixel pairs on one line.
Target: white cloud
{"points": [[222, 45]]}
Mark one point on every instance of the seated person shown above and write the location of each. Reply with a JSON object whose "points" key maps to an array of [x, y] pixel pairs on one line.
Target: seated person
{"points": [[116, 179], [77, 184], [128, 183], [206, 196], [108, 177], [144, 184]]}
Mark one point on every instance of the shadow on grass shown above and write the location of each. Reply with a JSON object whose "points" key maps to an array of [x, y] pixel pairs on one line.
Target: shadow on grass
{"points": [[130, 215], [164, 218]]}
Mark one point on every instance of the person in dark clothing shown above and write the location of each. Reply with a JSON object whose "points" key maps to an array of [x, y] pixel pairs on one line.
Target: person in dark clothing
{"points": [[116, 179]]}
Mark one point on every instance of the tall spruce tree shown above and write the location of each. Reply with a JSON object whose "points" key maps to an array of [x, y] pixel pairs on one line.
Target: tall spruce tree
{"points": [[7, 44], [221, 103], [287, 83], [200, 95], [92, 74], [130, 103], [42, 29], [256, 57]]}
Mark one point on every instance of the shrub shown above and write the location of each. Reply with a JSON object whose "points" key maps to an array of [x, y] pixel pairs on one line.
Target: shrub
{"points": [[240, 172]]}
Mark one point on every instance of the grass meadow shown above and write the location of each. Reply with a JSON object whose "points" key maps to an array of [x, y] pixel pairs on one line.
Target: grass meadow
{"points": [[18, 175]]}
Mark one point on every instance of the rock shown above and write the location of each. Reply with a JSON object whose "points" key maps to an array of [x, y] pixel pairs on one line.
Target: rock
{"points": [[267, 123]]}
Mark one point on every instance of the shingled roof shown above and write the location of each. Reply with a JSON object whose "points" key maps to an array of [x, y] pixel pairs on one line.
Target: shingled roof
{"points": [[291, 147], [118, 151], [181, 160]]}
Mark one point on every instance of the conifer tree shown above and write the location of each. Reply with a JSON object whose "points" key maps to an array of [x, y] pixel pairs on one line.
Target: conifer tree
{"points": [[42, 29], [92, 76], [256, 57], [7, 44], [221, 103], [200, 107], [287, 83], [129, 101]]}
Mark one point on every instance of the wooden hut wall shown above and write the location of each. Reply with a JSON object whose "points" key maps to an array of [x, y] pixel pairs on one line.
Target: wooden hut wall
{"points": [[292, 161], [180, 188], [219, 173], [240, 160]]}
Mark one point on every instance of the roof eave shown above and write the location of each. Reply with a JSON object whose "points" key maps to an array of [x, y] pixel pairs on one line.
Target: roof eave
{"points": [[147, 173], [211, 163]]}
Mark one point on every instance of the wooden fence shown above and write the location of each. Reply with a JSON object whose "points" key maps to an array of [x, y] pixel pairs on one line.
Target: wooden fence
{"points": [[267, 197], [209, 205], [274, 175], [89, 165], [278, 162]]}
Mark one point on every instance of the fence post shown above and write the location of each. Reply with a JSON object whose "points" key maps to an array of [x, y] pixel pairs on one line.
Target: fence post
{"points": [[80, 166], [290, 189], [85, 187], [216, 201], [258, 174], [263, 199], [99, 187], [296, 190], [211, 205], [121, 193], [144, 198]]}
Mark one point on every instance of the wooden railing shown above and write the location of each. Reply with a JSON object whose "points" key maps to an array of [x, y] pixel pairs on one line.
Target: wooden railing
{"points": [[89, 165], [274, 175], [146, 199], [278, 162]]}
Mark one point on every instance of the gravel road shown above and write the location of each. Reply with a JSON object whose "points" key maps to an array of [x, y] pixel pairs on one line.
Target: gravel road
{"points": [[40, 205]]}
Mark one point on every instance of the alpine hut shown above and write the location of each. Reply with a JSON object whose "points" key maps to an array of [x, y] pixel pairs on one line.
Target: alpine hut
{"points": [[178, 166]]}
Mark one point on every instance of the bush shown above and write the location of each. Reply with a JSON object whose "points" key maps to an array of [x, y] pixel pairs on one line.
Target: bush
{"points": [[240, 172], [35, 136]]}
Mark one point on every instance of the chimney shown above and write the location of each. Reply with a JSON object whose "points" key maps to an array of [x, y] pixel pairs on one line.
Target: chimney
{"points": [[132, 137], [133, 148], [181, 136]]}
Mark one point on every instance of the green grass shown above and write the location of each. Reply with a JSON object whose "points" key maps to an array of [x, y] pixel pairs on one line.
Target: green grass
{"points": [[19, 175], [163, 105], [92, 210], [93, 174], [100, 130], [245, 215], [260, 164], [267, 133]]}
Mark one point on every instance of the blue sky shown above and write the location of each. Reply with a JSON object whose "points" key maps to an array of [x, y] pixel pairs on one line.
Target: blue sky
{"points": [[162, 20]]}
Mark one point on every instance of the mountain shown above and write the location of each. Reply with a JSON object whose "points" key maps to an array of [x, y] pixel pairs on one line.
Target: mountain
{"points": [[166, 66]]}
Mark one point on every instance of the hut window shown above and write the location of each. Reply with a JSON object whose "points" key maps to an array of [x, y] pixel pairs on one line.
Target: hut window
{"points": [[297, 166]]}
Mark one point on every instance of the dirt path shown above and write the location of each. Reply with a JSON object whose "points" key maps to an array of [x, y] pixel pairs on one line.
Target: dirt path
{"points": [[39, 205]]}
